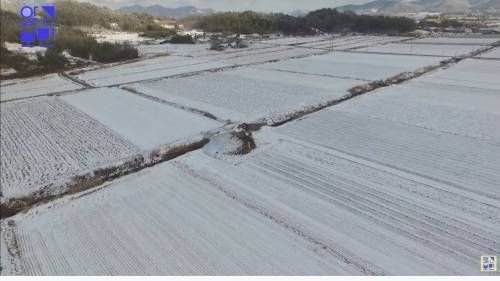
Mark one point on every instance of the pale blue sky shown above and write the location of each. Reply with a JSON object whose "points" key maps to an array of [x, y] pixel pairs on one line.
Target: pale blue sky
{"points": [[260, 5]]}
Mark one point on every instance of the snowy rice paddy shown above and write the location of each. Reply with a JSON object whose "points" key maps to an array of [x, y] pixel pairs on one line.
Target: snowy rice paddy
{"points": [[422, 49], [295, 40], [493, 54], [467, 109], [146, 69], [249, 94], [46, 140], [352, 42], [457, 40], [354, 65], [25, 88], [162, 221], [399, 181], [145, 123], [472, 73]]}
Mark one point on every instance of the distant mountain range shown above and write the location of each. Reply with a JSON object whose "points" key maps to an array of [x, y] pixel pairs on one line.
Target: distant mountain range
{"points": [[431, 6], [160, 11]]}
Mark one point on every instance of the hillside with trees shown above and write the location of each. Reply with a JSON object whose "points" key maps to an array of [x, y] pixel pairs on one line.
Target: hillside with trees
{"points": [[323, 20], [71, 17]]}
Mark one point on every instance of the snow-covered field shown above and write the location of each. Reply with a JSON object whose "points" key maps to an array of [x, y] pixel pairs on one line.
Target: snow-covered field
{"points": [[291, 207], [469, 109], [422, 49], [268, 55], [248, 94], [402, 180], [146, 69], [45, 140], [350, 42], [194, 50], [161, 221], [457, 40], [295, 40], [472, 73], [24, 88], [456, 169], [145, 123], [493, 54], [354, 65]]}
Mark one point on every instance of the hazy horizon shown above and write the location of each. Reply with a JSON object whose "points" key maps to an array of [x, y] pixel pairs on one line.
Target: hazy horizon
{"points": [[224, 5]]}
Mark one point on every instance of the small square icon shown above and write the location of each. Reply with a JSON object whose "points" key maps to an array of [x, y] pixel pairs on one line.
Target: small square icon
{"points": [[27, 38], [45, 34], [489, 263]]}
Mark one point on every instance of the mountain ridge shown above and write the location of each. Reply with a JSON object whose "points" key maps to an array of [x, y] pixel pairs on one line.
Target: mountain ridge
{"points": [[161, 11], [430, 6]]}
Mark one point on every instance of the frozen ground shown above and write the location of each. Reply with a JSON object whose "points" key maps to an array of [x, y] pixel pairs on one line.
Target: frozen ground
{"points": [[146, 69], [350, 42], [268, 55], [194, 50], [354, 65], [493, 54], [456, 40], [248, 94], [422, 49], [473, 73], [46, 140], [295, 40], [399, 181], [24, 88], [291, 207], [145, 123], [466, 164], [162, 221], [174, 49], [470, 110]]}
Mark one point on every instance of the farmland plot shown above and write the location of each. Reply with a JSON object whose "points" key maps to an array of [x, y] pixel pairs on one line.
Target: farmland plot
{"points": [[422, 49], [375, 217], [456, 40], [25, 88], [465, 164], [173, 49], [146, 69], [264, 55], [472, 112], [248, 94], [45, 140], [472, 73], [493, 54], [354, 65], [350, 42], [295, 40], [145, 123], [161, 221]]}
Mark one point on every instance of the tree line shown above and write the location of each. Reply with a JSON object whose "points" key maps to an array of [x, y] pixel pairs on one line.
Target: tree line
{"points": [[323, 20]]}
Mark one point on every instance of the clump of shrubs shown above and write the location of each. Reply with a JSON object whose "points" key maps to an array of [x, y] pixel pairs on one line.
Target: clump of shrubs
{"points": [[83, 46], [182, 39], [157, 32], [10, 59], [52, 60], [112, 52]]}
